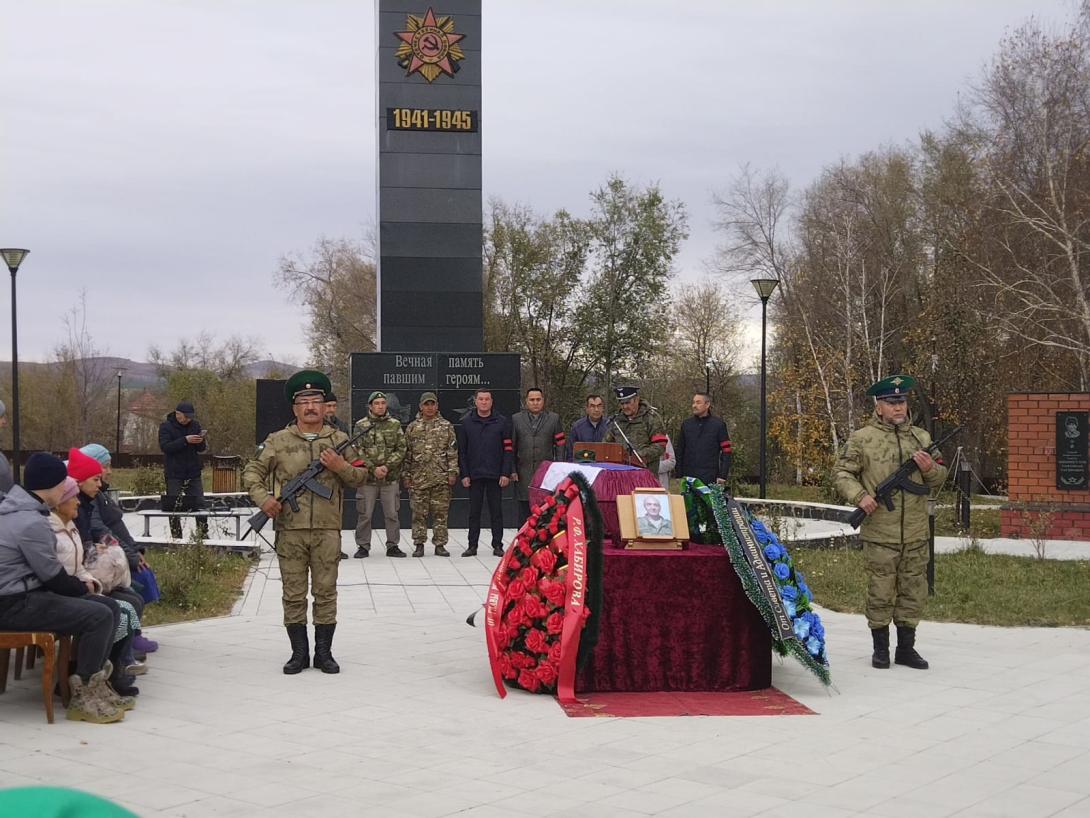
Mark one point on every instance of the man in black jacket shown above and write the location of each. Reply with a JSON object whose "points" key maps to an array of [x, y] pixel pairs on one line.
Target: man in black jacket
{"points": [[182, 441], [485, 463], [703, 448]]}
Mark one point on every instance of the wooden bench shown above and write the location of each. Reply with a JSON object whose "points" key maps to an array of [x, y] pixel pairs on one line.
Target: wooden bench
{"points": [[56, 649]]}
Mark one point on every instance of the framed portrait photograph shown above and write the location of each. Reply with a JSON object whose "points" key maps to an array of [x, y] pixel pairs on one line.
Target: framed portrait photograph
{"points": [[654, 516]]}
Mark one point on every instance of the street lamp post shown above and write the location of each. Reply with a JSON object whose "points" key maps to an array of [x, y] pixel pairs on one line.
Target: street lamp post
{"points": [[117, 440], [708, 376], [764, 287], [13, 257]]}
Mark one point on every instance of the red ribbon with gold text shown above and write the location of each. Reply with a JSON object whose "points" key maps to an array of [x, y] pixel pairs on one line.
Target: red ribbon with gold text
{"points": [[575, 606]]}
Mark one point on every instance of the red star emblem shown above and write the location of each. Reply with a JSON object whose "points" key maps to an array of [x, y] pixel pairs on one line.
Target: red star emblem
{"points": [[429, 46]]}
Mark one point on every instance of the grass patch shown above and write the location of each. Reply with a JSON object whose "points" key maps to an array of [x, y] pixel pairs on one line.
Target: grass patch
{"points": [[970, 586], [149, 479], [196, 582], [983, 522]]}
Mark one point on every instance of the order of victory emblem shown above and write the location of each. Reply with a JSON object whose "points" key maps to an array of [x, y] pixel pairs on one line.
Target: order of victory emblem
{"points": [[429, 46]]}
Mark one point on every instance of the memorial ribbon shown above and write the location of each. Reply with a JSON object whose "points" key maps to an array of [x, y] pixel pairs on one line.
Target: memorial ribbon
{"points": [[493, 608], [575, 604]]}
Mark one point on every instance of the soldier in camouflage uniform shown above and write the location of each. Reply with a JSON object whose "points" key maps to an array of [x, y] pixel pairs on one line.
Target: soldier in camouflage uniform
{"points": [[430, 469], [383, 449], [894, 542], [308, 541], [642, 425]]}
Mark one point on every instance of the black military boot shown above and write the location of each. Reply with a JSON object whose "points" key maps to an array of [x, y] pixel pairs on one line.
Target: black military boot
{"points": [[323, 645], [906, 649], [300, 649], [418, 550], [880, 657]]}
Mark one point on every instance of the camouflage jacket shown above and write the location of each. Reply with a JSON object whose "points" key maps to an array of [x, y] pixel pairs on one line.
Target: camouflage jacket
{"points": [[645, 430], [285, 454], [431, 453], [382, 445], [873, 453]]}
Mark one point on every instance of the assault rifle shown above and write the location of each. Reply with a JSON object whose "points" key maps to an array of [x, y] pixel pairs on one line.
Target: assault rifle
{"points": [[306, 480], [901, 480]]}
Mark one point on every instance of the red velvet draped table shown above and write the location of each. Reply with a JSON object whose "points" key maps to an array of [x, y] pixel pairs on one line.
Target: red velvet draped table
{"points": [[676, 620], [671, 620]]}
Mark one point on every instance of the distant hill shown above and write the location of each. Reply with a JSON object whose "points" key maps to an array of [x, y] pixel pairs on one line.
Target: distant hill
{"points": [[140, 374]]}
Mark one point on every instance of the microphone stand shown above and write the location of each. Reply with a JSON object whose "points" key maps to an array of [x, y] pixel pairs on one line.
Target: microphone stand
{"points": [[624, 437]]}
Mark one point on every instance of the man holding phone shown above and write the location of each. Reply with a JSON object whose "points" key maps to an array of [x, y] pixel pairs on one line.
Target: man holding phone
{"points": [[182, 441]]}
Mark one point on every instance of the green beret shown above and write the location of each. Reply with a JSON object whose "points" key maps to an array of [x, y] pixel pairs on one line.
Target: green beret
{"points": [[307, 382], [375, 394], [892, 387]]}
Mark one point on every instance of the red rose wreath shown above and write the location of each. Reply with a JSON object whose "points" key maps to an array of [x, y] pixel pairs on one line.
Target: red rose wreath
{"points": [[540, 615]]}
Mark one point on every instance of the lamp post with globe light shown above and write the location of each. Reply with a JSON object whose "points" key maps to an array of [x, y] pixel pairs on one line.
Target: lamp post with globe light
{"points": [[764, 287], [13, 257]]}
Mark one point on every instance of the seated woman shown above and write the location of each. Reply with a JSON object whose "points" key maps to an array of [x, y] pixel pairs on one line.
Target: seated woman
{"points": [[36, 593], [70, 553], [87, 472], [107, 514]]}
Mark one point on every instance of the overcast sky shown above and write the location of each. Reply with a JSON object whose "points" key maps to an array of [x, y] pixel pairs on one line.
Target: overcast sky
{"points": [[164, 155]]}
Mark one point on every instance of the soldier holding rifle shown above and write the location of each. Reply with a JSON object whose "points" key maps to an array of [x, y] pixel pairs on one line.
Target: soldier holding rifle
{"points": [[894, 540], [308, 540]]}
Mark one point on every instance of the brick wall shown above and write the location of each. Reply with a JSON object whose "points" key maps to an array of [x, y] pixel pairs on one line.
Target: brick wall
{"points": [[1034, 500]]}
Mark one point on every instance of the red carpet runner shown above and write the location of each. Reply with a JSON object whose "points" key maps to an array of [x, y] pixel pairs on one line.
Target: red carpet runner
{"points": [[768, 702]]}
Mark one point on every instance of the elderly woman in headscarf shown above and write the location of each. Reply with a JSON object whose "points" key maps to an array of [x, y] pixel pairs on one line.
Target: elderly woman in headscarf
{"points": [[106, 514], [96, 538], [70, 552]]}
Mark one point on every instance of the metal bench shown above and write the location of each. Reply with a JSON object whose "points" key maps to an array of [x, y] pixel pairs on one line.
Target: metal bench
{"points": [[237, 516], [231, 546]]}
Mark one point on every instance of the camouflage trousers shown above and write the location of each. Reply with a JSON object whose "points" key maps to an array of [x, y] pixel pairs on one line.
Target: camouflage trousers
{"points": [[433, 502], [896, 582], [316, 552]]}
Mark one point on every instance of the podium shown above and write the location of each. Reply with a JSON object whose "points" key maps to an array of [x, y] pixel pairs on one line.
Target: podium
{"points": [[598, 452]]}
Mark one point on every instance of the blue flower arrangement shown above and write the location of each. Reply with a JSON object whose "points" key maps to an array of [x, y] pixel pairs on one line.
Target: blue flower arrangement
{"points": [[794, 592], [709, 521]]}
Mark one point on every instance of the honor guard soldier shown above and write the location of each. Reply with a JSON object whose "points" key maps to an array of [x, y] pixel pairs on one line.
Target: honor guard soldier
{"points": [[641, 425], [307, 541], [430, 470], [894, 542]]}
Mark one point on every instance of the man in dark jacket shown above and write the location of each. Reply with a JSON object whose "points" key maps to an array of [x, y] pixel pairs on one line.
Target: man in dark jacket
{"points": [[36, 593], [485, 463], [182, 441], [331, 417], [591, 428], [703, 448]]}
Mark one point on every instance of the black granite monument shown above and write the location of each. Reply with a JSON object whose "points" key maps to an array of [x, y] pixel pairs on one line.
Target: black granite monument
{"points": [[430, 272], [429, 175]]}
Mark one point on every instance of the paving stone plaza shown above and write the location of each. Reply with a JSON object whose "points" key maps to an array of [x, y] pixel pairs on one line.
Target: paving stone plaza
{"points": [[1000, 725]]}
